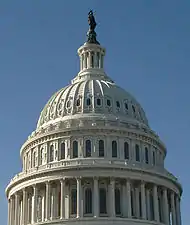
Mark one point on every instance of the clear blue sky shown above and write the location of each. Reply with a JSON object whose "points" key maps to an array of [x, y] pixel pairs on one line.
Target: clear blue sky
{"points": [[148, 54]]}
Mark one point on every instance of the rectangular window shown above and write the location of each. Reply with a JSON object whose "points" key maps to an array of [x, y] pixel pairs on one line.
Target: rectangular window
{"points": [[146, 155], [73, 201], [126, 150], [102, 201], [137, 153], [153, 158]]}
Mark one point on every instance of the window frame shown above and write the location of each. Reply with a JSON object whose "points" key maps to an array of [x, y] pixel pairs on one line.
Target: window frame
{"points": [[114, 149], [126, 155], [73, 149], [88, 142], [137, 149], [101, 150], [62, 143]]}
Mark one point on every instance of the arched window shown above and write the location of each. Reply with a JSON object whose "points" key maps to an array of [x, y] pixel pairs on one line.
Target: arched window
{"points": [[88, 148], [75, 149], [98, 101], [114, 149], [88, 201], [73, 201], [78, 102], [101, 148], [41, 156], [51, 158], [68, 103], [117, 201], [102, 201], [108, 102], [34, 159], [88, 101], [137, 153], [146, 155], [133, 107], [63, 150], [126, 106], [118, 104], [126, 150]]}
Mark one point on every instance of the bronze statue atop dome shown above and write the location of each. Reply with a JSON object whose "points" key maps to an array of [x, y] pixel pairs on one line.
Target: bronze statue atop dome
{"points": [[91, 34], [91, 21]]}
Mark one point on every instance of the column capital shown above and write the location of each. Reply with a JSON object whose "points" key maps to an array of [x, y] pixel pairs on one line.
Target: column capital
{"points": [[17, 195], [34, 186], [24, 189], [164, 188], [47, 182], [143, 182], [79, 178], [96, 178], [62, 180], [112, 179]]}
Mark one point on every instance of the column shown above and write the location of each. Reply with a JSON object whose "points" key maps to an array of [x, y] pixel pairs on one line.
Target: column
{"points": [[173, 209], [143, 201], [166, 207], [81, 61], [155, 200], [96, 197], [79, 191], [21, 213], [90, 60], [128, 187], [62, 205], [34, 205], [47, 211], [16, 208], [67, 200], [148, 203], [24, 210], [85, 60], [178, 211], [100, 60], [29, 208], [112, 197], [43, 206], [95, 60], [53, 203], [9, 211]]}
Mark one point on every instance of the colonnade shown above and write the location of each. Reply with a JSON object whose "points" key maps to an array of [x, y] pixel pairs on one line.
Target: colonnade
{"points": [[91, 60], [66, 198]]}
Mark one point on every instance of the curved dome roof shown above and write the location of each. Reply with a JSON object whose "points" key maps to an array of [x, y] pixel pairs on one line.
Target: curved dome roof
{"points": [[92, 93], [92, 96]]}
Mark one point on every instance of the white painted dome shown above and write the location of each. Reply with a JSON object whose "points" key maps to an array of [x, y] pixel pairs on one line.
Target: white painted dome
{"points": [[92, 93], [92, 96]]}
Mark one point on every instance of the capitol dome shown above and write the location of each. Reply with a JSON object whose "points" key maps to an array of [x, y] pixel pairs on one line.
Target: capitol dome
{"points": [[93, 158], [94, 96]]}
